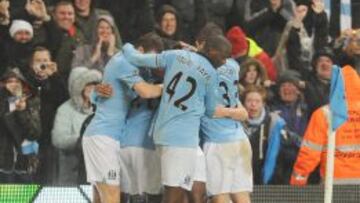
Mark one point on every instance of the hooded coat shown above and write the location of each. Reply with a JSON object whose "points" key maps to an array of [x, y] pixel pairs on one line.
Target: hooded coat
{"points": [[16, 126], [68, 121], [83, 53]]}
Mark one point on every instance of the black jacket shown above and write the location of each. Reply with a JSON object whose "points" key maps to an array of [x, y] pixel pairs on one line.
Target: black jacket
{"points": [[316, 93], [16, 126]]}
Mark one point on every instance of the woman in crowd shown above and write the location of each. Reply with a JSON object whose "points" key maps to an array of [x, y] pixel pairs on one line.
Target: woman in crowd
{"points": [[253, 73], [68, 121], [97, 54]]}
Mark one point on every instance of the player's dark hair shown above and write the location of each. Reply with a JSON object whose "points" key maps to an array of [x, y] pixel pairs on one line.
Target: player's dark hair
{"points": [[210, 29], [220, 44], [150, 41]]}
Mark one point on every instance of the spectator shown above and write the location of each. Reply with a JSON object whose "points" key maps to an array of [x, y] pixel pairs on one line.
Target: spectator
{"points": [[62, 36], [19, 46], [308, 32], [68, 121], [193, 15], [252, 73], [293, 110], [265, 130], [45, 82], [313, 149], [96, 54], [317, 88], [243, 48], [266, 20], [169, 26], [20, 129]]}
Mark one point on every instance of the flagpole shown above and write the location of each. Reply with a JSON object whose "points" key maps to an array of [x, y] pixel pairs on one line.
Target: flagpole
{"points": [[329, 174]]}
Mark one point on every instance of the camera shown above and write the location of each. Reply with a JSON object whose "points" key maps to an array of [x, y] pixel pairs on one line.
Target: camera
{"points": [[43, 66]]}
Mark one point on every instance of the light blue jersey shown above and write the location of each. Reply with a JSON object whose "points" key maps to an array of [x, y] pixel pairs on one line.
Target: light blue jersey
{"points": [[139, 119], [111, 112], [190, 86], [224, 129]]}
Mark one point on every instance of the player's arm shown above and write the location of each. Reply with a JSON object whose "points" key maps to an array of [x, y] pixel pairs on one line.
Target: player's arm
{"points": [[143, 89], [238, 113], [147, 91], [139, 59]]}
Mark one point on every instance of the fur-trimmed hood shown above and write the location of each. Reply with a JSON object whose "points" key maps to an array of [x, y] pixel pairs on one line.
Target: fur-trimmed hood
{"points": [[78, 79]]}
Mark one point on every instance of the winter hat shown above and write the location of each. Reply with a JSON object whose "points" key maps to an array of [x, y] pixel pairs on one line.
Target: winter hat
{"points": [[237, 38], [108, 19], [18, 25], [289, 76], [79, 77], [303, 2], [326, 51], [13, 73]]}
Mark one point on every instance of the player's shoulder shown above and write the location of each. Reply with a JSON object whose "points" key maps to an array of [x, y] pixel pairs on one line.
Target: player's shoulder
{"points": [[232, 64]]}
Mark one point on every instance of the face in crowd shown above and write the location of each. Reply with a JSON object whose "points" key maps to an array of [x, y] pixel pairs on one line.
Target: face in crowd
{"points": [[324, 67], [254, 103], [251, 75], [22, 36], [104, 30], [14, 86], [40, 61], [83, 6], [289, 92], [64, 16], [168, 24]]}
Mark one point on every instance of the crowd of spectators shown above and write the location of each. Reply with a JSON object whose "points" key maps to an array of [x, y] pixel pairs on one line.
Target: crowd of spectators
{"points": [[53, 52]]}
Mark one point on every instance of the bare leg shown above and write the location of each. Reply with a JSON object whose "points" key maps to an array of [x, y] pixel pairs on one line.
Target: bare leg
{"points": [[108, 193], [222, 198], [240, 197], [198, 193], [96, 195], [174, 195]]}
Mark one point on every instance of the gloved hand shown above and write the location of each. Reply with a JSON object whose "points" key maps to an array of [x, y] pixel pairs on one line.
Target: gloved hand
{"points": [[29, 147], [298, 180]]}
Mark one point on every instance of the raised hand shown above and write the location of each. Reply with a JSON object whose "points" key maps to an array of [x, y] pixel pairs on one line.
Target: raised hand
{"points": [[37, 8], [318, 6], [51, 68], [97, 52], [275, 4], [4, 12]]}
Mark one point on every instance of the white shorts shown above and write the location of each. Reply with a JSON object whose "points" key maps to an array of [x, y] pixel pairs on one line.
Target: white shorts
{"points": [[177, 166], [143, 171], [102, 159], [200, 170], [228, 167]]}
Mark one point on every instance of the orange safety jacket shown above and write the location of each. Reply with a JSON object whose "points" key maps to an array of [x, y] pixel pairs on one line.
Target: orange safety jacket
{"points": [[347, 148]]}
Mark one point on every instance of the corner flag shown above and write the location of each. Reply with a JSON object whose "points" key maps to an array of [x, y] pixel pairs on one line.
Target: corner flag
{"points": [[338, 105]]}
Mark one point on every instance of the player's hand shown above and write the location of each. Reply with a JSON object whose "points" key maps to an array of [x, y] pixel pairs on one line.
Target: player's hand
{"points": [[104, 90]]}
